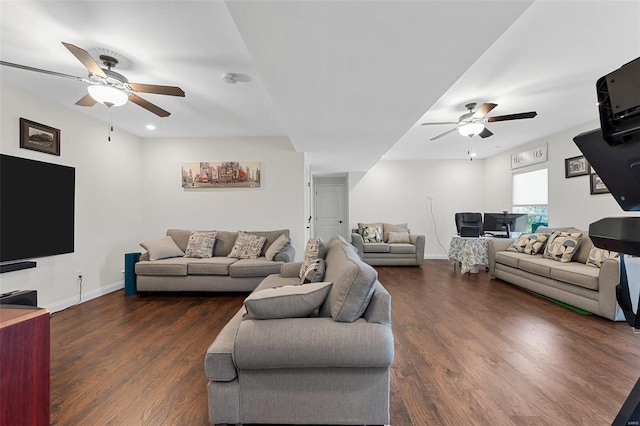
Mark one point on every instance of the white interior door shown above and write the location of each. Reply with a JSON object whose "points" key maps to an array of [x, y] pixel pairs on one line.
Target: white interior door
{"points": [[330, 213]]}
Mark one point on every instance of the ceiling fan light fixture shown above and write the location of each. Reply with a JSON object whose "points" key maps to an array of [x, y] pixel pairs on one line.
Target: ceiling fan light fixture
{"points": [[471, 129], [108, 96]]}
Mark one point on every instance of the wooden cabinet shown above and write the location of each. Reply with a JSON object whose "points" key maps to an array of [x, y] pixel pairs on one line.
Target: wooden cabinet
{"points": [[24, 366]]}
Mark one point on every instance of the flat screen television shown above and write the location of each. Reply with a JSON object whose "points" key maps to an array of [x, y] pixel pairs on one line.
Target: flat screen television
{"points": [[37, 204], [504, 223]]}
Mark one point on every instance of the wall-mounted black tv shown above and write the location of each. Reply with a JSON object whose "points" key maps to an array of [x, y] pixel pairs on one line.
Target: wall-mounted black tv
{"points": [[37, 204]]}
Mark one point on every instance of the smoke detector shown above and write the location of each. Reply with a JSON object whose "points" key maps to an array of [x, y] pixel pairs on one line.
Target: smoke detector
{"points": [[230, 78]]}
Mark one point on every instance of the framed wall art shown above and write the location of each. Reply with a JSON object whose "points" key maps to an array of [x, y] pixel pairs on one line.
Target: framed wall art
{"points": [[597, 185], [38, 137], [576, 166], [229, 174]]}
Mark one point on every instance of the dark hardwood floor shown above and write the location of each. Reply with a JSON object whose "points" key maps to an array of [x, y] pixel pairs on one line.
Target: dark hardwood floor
{"points": [[469, 351]]}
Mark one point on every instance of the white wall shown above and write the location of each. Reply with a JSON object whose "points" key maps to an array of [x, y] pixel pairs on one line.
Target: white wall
{"points": [[108, 213], [397, 191], [570, 200], [279, 202]]}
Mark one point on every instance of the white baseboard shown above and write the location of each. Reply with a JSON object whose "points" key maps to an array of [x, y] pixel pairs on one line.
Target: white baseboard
{"points": [[93, 294], [437, 256]]}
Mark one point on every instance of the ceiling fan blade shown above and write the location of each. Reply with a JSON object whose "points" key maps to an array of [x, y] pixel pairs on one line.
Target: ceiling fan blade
{"points": [[148, 106], [25, 67], [507, 117], [485, 133], [484, 110], [160, 90], [443, 134], [86, 59], [86, 100], [439, 123]]}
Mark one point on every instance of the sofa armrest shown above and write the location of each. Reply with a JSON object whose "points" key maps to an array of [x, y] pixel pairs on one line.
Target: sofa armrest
{"points": [[608, 279], [419, 241], [358, 243], [290, 270], [312, 343], [496, 245], [143, 257], [286, 255]]}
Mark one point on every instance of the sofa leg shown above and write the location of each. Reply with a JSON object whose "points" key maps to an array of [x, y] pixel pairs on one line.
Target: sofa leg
{"points": [[143, 294]]}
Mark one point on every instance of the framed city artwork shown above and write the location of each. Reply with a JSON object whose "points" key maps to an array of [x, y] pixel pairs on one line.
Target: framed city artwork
{"points": [[576, 166], [597, 185]]}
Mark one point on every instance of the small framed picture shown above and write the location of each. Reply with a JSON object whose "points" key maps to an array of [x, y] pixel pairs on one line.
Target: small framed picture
{"points": [[38, 137], [597, 185], [576, 166]]}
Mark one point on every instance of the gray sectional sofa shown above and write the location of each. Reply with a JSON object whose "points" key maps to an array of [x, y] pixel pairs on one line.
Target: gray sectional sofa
{"points": [[592, 289], [376, 244], [216, 273], [332, 367]]}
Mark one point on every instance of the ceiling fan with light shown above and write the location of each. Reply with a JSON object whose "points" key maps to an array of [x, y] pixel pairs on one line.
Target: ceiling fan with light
{"points": [[107, 86], [473, 123]]}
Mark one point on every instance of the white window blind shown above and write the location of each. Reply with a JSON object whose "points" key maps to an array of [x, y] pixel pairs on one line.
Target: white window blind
{"points": [[530, 188]]}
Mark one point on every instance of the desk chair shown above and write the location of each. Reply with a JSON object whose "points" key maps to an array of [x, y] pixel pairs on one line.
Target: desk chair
{"points": [[469, 219]]}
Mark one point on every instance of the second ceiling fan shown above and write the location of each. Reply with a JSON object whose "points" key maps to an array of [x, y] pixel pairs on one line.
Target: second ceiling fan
{"points": [[472, 123]]}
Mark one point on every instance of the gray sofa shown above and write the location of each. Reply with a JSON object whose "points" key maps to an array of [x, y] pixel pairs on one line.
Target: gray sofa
{"points": [[386, 252], [217, 273], [328, 368], [589, 288]]}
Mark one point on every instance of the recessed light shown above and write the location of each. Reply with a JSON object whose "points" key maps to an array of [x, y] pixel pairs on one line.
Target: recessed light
{"points": [[151, 127]]}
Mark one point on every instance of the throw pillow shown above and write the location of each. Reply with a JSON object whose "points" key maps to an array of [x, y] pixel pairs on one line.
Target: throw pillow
{"points": [[372, 234], [398, 237], [247, 246], [388, 227], [162, 248], [597, 256], [200, 244], [281, 243], [312, 251], [314, 272], [562, 246], [290, 301], [529, 243]]}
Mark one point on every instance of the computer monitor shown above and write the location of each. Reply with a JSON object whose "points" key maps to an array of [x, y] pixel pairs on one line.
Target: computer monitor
{"points": [[504, 222]]}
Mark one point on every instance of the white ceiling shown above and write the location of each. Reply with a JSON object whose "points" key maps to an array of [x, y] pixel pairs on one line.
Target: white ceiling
{"points": [[346, 81]]}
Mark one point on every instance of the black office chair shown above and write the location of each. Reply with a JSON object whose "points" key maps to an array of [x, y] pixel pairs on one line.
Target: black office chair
{"points": [[469, 220]]}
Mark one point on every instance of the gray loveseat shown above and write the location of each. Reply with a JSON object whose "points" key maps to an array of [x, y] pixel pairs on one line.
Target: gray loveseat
{"points": [[331, 367], [217, 273], [589, 288], [385, 244]]}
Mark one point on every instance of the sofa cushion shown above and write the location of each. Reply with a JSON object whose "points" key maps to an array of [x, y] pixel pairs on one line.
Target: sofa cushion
{"points": [[247, 246], [509, 258], [388, 227], [224, 243], [529, 243], [353, 284], [270, 238], [180, 236], [291, 301], [538, 265], [398, 238], [280, 244], [598, 255], [562, 246], [402, 248], [576, 273], [260, 267], [162, 248], [376, 248], [176, 266], [200, 244], [315, 272], [372, 234], [582, 253], [314, 249], [362, 226], [210, 266]]}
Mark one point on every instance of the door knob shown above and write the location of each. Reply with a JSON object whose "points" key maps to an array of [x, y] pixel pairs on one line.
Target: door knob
{"points": [[340, 221]]}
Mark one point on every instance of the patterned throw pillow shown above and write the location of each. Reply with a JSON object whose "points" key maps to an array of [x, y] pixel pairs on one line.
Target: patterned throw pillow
{"points": [[313, 250], [562, 246], [314, 272], [597, 256], [247, 246], [372, 234], [529, 243], [201, 244]]}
